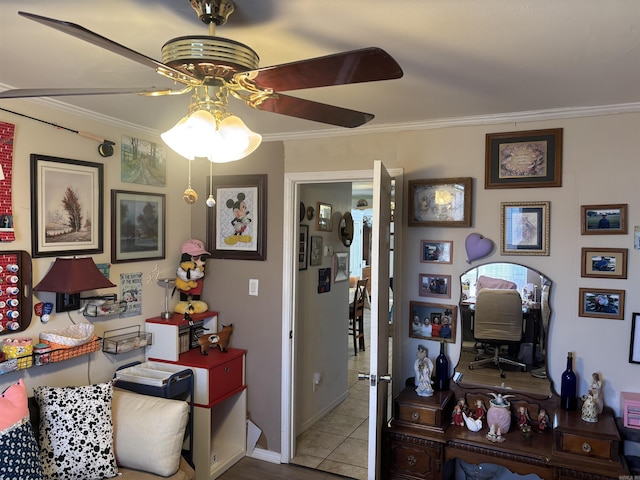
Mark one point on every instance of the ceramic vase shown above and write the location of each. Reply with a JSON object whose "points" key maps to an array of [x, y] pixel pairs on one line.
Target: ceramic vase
{"points": [[499, 415]]}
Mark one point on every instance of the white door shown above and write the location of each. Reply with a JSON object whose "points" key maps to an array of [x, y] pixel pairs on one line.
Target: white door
{"points": [[379, 375]]}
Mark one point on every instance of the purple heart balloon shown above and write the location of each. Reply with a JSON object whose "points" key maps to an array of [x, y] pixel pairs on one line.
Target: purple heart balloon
{"points": [[477, 247]]}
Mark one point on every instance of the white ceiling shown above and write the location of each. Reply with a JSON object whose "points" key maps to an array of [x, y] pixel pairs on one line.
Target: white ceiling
{"points": [[461, 59]]}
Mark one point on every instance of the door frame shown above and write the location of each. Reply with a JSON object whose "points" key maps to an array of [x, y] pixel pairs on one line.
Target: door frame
{"points": [[289, 285]]}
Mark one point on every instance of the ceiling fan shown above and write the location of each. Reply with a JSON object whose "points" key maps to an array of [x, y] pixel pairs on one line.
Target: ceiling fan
{"points": [[212, 67]]}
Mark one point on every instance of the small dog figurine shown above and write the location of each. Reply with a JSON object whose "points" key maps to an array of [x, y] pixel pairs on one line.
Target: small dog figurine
{"points": [[220, 339]]}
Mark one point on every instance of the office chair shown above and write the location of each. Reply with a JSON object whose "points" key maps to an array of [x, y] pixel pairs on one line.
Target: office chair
{"points": [[356, 315], [498, 321]]}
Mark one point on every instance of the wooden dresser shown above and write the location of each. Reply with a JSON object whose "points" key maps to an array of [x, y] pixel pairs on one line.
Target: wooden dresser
{"points": [[420, 442]]}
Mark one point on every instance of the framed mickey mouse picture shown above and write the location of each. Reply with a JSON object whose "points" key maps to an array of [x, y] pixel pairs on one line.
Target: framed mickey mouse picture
{"points": [[237, 224]]}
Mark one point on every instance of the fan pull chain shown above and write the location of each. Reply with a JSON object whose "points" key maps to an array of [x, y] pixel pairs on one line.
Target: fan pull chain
{"points": [[190, 196], [211, 202]]}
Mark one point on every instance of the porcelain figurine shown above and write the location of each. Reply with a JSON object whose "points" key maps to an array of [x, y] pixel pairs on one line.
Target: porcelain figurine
{"points": [[589, 409], [473, 424], [499, 413], [543, 420], [423, 368], [458, 416], [523, 417]]}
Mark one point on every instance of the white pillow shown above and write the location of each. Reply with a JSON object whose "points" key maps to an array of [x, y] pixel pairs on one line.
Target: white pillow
{"points": [[148, 431]]}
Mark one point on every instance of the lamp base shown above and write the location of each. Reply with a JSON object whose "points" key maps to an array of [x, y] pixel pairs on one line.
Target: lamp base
{"points": [[166, 315]]}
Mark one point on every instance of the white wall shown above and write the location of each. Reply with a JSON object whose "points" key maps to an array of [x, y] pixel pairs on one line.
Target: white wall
{"points": [[35, 137], [599, 167]]}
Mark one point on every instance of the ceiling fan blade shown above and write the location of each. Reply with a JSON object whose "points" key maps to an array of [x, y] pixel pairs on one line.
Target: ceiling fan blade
{"points": [[318, 112], [82, 33], [355, 66], [72, 92]]}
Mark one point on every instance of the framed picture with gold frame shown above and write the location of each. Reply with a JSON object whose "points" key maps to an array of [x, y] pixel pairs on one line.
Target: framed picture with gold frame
{"points": [[324, 223], [444, 202], [601, 303], [524, 228]]}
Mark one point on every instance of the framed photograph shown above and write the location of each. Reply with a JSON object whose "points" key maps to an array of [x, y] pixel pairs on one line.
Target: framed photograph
{"points": [[137, 226], [303, 247], [530, 158], [323, 222], [67, 207], [524, 228], [603, 219], [436, 251], [341, 266], [315, 254], [432, 285], [237, 225], [444, 202], [634, 348], [604, 262], [601, 303], [432, 321]]}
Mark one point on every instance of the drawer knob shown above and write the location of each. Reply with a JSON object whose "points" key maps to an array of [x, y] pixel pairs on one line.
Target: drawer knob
{"points": [[227, 369], [411, 460], [586, 448], [415, 416]]}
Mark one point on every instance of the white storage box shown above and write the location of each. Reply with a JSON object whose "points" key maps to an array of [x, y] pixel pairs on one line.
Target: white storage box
{"points": [[145, 374]]}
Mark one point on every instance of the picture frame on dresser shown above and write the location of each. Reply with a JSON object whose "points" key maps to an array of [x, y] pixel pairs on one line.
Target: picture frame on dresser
{"points": [[67, 206]]}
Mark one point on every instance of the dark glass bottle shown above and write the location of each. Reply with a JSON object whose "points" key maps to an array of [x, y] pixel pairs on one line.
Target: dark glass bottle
{"points": [[441, 381], [568, 398]]}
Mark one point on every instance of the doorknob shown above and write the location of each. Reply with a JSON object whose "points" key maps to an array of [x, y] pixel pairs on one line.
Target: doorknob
{"points": [[368, 376]]}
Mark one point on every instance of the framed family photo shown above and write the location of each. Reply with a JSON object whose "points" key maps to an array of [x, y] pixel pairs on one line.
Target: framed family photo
{"points": [[530, 158], [237, 224], [601, 303], [444, 202], [137, 226], [67, 207], [524, 228], [604, 262], [433, 321], [436, 251], [603, 219], [432, 285]]}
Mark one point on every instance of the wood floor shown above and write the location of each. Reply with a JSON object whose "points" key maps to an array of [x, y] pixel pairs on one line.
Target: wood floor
{"points": [[250, 469]]}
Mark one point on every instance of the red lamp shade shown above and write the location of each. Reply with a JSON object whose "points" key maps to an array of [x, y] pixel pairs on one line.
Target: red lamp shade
{"points": [[73, 275]]}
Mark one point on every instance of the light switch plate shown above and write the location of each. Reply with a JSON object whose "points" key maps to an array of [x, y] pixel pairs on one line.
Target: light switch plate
{"points": [[253, 287]]}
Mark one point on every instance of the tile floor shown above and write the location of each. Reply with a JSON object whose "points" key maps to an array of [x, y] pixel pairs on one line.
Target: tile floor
{"points": [[338, 442]]}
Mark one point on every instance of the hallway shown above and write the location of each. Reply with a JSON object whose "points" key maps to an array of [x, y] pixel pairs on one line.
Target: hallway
{"points": [[338, 443]]}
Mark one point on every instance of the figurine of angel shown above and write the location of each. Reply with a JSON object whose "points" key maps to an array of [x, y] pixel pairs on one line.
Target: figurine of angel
{"points": [[458, 416], [480, 411], [523, 417], [423, 368], [543, 420]]}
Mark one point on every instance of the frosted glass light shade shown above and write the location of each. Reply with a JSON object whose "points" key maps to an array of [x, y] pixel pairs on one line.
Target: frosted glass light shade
{"points": [[198, 135]]}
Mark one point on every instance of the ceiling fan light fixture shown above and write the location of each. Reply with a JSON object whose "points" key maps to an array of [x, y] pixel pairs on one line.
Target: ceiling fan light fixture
{"points": [[201, 135]]}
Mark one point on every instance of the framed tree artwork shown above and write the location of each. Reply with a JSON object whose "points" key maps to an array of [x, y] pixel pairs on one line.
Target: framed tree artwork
{"points": [[67, 207]]}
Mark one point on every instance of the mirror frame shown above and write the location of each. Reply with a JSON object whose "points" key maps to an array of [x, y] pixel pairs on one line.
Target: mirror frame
{"points": [[346, 229], [545, 340]]}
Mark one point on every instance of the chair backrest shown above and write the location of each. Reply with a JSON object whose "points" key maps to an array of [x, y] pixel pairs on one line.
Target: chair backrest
{"points": [[498, 315], [361, 287]]}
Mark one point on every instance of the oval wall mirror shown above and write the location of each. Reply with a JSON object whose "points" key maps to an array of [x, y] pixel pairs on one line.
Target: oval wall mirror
{"points": [[519, 364], [346, 229]]}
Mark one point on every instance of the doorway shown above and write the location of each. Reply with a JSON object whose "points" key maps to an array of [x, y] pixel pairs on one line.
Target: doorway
{"points": [[291, 304]]}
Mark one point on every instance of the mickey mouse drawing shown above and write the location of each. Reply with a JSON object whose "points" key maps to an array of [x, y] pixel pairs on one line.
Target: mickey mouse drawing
{"points": [[240, 220]]}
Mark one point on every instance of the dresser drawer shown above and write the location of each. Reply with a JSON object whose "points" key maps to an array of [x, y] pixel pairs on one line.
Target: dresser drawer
{"points": [[225, 378], [406, 456], [429, 412], [587, 446], [419, 415]]}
